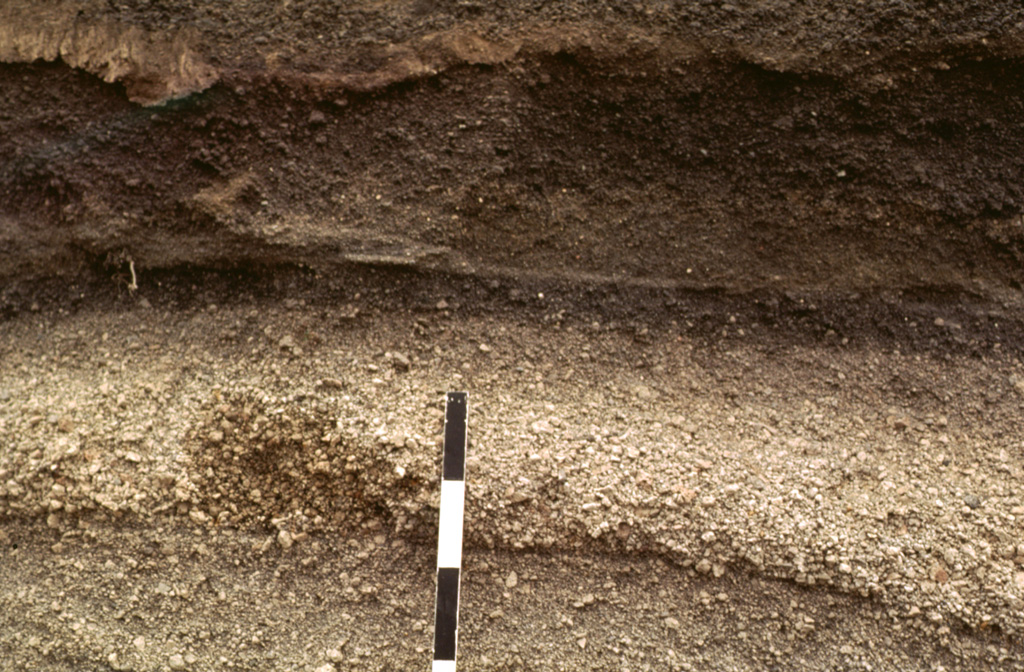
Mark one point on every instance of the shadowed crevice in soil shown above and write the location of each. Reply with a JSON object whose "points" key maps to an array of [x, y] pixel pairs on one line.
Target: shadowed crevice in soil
{"points": [[912, 319]]}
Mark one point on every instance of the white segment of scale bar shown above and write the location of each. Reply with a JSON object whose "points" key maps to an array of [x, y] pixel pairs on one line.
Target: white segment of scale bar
{"points": [[449, 535]]}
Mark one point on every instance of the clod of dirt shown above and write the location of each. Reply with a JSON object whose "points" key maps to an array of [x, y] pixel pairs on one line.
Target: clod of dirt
{"points": [[260, 461]]}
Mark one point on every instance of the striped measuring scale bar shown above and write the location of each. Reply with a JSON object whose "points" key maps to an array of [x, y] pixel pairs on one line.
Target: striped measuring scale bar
{"points": [[449, 533]]}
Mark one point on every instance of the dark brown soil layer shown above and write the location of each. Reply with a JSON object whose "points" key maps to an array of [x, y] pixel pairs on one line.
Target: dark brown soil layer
{"points": [[728, 147]]}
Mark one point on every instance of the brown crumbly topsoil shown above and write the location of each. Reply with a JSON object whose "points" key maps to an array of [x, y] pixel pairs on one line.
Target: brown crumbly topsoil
{"points": [[735, 290]]}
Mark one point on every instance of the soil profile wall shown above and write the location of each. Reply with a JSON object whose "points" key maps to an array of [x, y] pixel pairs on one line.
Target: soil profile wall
{"points": [[738, 147]]}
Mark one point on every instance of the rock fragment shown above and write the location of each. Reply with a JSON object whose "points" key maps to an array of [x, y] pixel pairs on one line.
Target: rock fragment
{"points": [[284, 539]]}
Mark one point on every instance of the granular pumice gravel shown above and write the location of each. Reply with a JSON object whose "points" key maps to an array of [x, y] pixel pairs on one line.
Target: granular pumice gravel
{"points": [[177, 487]]}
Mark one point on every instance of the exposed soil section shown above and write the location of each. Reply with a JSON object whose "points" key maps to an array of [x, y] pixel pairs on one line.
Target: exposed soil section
{"points": [[735, 290], [722, 147], [240, 473]]}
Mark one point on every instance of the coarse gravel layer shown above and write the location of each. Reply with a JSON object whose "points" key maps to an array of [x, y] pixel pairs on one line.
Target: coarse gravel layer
{"points": [[206, 476]]}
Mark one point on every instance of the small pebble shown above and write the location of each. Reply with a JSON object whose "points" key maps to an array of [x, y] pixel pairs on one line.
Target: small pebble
{"points": [[284, 539]]}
